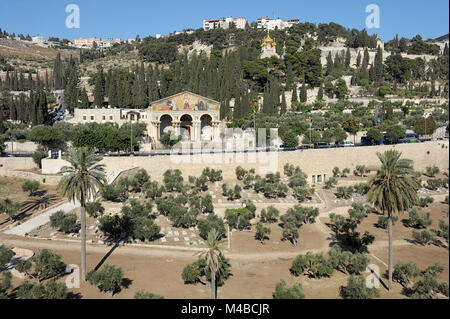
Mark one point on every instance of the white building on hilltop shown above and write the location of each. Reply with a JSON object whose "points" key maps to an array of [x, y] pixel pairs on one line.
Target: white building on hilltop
{"points": [[266, 23], [225, 23]]}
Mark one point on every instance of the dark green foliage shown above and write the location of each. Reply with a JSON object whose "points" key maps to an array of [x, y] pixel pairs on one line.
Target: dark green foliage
{"points": [[66, 223], [153, 190], [418, 220], [429, 285], [198, 271], [383, 221], [108, 279], [30, 186], [356, 289], [394, 133], [211, 221], [5, 255], [173, 180], [282, 291], [312, 265], [269, 215], [239, 218], [290, 139], [48, 265], [424, 237], [347, 262], [262, 232], [50, 290], [425, 201], [5, 284], [95, 209], [142, 294], [37, 158], [115, 192], [404, 272], [344, 192]]}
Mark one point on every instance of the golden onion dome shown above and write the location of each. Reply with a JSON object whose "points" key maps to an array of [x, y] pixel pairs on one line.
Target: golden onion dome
{"points": [[268, 41]]}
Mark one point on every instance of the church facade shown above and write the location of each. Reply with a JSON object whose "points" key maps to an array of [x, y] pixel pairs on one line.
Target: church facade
{"points": [[196, 118]]}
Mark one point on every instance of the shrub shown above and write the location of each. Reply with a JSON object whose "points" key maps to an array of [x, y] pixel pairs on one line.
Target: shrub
{"points": [[425, 201], [282, 291], [330, 183], [198, 271], [269, 215], [5, 255], [344, 192], [142, 294], [31, 186], [404, 272], [356, 289], [37, 158], [418, 220], [262, 232], [210, 222], [67, 223], [383, 221], [48, 265], [239, 218], [108, 279], [313, 265], [432, 171], [423, 237], [94, 209], [49, 290]]}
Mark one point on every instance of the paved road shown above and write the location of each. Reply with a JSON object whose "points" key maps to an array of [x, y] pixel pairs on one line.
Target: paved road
{"points": [[40, 219]]}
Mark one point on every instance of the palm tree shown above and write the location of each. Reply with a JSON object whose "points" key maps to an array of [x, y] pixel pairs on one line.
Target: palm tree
{"points": [[80, 182], [393, 190], [213, 256]]}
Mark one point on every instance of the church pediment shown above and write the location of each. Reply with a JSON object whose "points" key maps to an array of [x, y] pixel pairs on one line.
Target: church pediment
{"points": [[185, 101]]}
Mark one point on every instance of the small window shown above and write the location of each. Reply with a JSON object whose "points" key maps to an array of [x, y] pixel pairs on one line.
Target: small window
{"points": [[103, 118], [92, 117], [319, 178], [314, 179], [84, 117], [110, 118]]}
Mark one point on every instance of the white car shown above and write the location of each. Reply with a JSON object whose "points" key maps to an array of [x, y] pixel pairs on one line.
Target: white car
{"points": [[346, 143]]}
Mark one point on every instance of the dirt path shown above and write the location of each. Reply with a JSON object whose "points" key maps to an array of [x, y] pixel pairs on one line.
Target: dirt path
{"points": [[172, 252]]}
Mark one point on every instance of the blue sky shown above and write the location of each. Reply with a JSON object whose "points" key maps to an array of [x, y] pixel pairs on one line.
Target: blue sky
{"points": [[126, 19]]}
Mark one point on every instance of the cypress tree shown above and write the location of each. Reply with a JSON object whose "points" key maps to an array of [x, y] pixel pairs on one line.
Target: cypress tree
{"points": [[347, 58], [320, 93], [283, 107], [303, 94], [294, 93], [358, 60], [99, 88]]}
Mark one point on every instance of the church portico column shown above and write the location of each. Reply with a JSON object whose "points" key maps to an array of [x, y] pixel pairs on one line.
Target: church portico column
{"points": [[196, 135]]}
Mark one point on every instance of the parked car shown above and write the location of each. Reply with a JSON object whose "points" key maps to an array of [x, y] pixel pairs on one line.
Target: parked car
{"points": [[346, 143], [321, 145]]}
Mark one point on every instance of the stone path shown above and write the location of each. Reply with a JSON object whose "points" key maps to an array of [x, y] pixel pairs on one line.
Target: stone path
{"points": [[40, 219]]}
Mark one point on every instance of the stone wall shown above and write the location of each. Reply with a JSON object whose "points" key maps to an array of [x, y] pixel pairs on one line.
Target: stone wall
{"points": [[312, 162]]}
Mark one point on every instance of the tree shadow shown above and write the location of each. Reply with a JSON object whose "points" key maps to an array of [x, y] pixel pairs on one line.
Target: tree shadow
{"points": [[72, 295], [126, 282], [36, 205], [106, 256]]}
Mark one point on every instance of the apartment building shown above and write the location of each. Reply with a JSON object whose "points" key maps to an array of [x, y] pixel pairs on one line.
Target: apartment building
{"points": [[224, 23], [266, 23]]}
